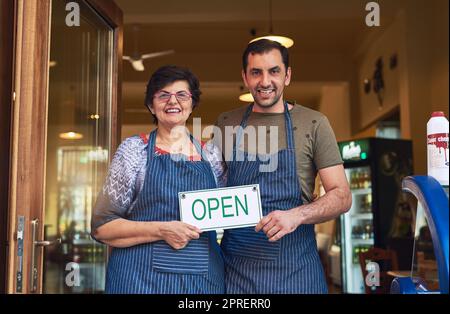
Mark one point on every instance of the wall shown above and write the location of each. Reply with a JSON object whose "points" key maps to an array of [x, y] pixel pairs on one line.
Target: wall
{"points": [[419, 34], [220, 84], [368, 132], [439, 67], [389, 43], [335, 105], [427, 61]]}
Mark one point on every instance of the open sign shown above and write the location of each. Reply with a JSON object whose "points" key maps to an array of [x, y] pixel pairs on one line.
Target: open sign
{"points": [[223, 208]]}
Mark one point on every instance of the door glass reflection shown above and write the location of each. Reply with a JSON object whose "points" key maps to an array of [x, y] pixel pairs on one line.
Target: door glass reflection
{"points": [[78, 137]]}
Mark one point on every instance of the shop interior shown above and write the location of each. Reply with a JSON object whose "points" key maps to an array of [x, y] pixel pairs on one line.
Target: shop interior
{"points": [[378, 86]]}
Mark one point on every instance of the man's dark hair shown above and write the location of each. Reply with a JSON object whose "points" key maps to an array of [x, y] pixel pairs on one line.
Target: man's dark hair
{"points": [[262, 46], [169, 74]]}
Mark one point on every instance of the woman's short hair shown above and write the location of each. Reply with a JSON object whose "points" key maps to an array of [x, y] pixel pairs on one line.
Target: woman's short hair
{"points": [[169, 74]]}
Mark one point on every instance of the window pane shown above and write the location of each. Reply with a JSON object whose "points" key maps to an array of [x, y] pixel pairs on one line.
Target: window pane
{"points": [[78, 138]]}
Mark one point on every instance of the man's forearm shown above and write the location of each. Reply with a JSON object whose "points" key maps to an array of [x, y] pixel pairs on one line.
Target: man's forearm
{"points": [[334, 203]]}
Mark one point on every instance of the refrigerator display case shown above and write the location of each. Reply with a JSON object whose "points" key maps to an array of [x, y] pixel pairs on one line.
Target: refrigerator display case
{"points": [[381, 214]]}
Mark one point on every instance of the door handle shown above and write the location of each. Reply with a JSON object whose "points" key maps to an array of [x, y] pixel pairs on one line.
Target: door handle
{"points": [[47, 243], [34, 245]]}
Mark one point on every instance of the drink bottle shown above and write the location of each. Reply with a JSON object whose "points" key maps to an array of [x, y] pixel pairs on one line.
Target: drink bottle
{"points": [[437, 147]]}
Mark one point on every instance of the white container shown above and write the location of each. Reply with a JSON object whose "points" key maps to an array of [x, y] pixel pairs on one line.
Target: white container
{"points": [[437, 151]]}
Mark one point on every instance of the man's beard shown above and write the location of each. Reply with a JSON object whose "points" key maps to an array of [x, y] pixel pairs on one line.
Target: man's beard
{"points": [[277, 98]]}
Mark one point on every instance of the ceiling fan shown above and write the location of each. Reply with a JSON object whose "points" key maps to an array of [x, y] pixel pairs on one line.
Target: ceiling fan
{"points": [[136, 59]]}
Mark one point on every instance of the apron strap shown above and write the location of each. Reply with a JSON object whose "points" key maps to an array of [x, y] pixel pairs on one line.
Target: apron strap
{"points": [[288, 124], [198, 146], [289, 131], [152, 141], [151, 145]]}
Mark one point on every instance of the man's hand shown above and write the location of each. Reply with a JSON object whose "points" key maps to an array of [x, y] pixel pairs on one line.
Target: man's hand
{"points": [[278, 223], [178, 234]]}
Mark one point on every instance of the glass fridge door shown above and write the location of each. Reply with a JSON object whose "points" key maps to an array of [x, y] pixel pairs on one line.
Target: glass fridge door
{"points": [[357, 228]]}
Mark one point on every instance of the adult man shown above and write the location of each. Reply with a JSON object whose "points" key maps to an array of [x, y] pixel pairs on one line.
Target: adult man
{"points": [[280, 254]]}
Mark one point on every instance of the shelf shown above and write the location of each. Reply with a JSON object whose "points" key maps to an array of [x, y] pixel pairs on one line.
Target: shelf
{"points": [[83, 242], [362, 216], [361, 191], [361, 241]]}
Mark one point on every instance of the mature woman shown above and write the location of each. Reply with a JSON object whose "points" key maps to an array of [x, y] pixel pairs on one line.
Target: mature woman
{"points": [[137, 212]]}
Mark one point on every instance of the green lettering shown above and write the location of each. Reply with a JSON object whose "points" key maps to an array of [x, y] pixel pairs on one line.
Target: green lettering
{"points": [[226, 206], [193, 209], [212, 208], [245, 209]]}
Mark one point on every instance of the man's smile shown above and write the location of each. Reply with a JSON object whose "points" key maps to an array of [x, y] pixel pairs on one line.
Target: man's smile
{"points": [[266, 92]]}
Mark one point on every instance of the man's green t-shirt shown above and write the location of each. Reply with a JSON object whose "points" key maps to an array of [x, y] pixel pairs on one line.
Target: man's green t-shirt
{"points": [[315, 143]]}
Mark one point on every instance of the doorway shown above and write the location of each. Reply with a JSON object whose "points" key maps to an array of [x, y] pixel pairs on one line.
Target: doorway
{"points": [[64, 128], [6, 79]]}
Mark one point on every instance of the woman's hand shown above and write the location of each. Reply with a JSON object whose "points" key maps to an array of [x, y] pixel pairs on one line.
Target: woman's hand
{"points": [[178, 234]]}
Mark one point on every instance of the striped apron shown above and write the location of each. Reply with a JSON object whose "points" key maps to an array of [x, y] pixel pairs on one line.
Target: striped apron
{"points": [[156, 267], [252, 263]]}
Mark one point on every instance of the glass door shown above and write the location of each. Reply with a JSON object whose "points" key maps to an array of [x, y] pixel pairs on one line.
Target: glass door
{"points": [[357, 234], [78, 144], [74, 127]]}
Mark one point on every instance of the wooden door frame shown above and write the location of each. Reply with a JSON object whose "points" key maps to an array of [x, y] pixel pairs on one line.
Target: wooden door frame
{"points": [[6, 77], [114, 17], [29, 121]]}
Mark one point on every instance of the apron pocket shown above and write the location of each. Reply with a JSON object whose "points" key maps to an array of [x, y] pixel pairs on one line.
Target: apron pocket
{"points": [[193, 259], [246, 242]]}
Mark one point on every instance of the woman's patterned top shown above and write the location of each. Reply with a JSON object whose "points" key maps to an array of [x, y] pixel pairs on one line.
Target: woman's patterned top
{"points": [[126, 176]]}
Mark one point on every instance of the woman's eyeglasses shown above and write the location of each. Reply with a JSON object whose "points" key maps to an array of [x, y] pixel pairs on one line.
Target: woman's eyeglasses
{"points": [[165, 96]]}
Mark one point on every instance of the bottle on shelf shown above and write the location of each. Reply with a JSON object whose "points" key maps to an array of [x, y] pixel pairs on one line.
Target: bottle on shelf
{"points": [[359, 249], [368, 203], [352, 180], [367, 231], [366, 176], [360, 180], [356, 251], [362, 204], [357, 232]]}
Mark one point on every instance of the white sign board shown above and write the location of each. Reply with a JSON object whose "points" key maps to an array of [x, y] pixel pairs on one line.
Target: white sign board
{"points": [[223, 208]]}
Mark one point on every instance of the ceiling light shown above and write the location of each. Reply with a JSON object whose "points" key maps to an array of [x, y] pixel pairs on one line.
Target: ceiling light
{"points": [[247, 97], [283, 40], [71, 136]]}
